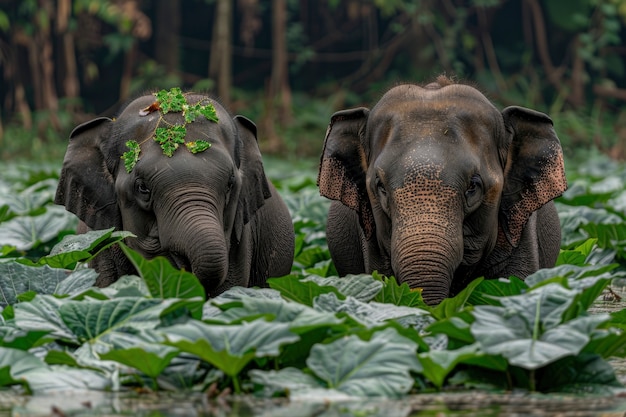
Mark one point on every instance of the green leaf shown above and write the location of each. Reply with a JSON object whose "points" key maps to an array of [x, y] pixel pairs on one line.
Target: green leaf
{"points": [[100, 319], [42, 314], [131, 156], [207, 110], [171, 100], [28, 232], [149, 359], [528, 329], [170, 138], [362, 287], [16, 279], [15, 364], [19, 339], [198, 146], [437, 364], [165, 281], [585, 374], [294, 288], [284, 381], [400, 295], [451, 306], [378, 367], [232, 347]]}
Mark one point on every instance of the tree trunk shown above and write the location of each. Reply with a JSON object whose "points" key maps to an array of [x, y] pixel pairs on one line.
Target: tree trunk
{"points": [[167, 34], [278, 99], [220, 63], [71, 84]]}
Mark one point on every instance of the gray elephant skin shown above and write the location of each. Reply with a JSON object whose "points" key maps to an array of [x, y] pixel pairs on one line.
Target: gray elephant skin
{"points": [[213, 213], [437, 187]]}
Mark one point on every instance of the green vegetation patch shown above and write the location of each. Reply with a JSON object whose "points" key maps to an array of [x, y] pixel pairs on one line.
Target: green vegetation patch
{"points": [[171, 136], [311, 333]]}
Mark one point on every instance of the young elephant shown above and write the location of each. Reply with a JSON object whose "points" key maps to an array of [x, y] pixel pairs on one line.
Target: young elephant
{"points": [[437, 187], [209, 209]]}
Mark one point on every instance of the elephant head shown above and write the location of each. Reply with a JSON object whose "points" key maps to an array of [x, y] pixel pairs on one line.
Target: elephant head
{"points": [[189, 207], [442, 183]]}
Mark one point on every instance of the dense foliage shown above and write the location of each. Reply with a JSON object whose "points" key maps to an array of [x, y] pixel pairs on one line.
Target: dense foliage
{"points": [[309, 333]]}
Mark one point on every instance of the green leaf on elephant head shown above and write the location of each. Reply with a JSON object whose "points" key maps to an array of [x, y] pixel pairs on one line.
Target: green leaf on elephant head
{"points": [[198, 146], [171, 100], [170, 137], [199, 109], [131, 157]]}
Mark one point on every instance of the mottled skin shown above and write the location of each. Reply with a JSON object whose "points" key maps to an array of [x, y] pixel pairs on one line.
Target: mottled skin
{"points": [[213, 213], [437, 187]]}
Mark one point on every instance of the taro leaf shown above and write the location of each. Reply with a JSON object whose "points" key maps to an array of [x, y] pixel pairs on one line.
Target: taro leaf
{"points": [[378, 367], [16, 279], [450, 307], [489, 291], [455, 328], [373, 314], [586, 374], [230, 348], [99, 320], [437, 364], [165, 281], [311, 256], [19, 339], [287, 380], [299, 317], [77, 282], [14, 364], [362, 287], [149, 359], [528, 329], [400, 295], [42, 314], [60, 378], [26, 232], [303, 292]]}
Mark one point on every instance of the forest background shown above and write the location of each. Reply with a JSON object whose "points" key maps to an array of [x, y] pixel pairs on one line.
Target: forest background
{"points": [[289, 64]]}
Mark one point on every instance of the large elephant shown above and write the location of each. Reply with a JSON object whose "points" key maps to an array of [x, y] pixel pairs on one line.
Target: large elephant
{"points": [[213, 212], [437, 187]]}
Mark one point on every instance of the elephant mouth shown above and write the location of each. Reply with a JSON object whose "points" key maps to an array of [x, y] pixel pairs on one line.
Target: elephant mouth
{"points": [[180, 261]]}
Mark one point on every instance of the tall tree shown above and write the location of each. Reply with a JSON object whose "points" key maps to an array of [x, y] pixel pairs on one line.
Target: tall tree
{"points": [[168, 18], [220, 62]]}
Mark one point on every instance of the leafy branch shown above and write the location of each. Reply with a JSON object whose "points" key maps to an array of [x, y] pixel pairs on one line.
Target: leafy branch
{"points": [[171, 136]]}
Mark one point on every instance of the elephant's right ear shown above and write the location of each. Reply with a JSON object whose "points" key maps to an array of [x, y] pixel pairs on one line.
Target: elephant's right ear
{"points": [[343, 168], [86, 187]]}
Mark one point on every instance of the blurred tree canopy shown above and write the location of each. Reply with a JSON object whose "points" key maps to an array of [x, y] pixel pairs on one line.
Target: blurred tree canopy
{"points": [[62, 61]]}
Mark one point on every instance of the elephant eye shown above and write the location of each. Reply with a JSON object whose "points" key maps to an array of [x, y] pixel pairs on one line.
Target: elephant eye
{"points": [[474, 187], [142, 189], [382, 194]]}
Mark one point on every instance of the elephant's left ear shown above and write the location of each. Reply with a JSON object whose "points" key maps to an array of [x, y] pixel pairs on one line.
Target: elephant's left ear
{"points": [[534, 173], [255, 188]]}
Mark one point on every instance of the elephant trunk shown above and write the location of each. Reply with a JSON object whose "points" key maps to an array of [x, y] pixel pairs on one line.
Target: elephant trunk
{"points": [[196, 243], [427, 264]]}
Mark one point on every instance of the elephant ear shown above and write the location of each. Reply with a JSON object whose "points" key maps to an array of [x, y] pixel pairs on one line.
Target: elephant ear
{"points": [[534, 173], [343, 166], [86, 187], [255, 189]]}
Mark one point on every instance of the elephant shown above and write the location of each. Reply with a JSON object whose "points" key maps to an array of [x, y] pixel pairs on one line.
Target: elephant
{"points": [[437, 187], [213, 213]]}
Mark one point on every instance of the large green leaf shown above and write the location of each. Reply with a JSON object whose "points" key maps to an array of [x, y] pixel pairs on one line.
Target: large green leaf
{"points": [[380, 366], [362, 287], [399, 294], [26, 232], [164, 280], [583, 374], [99, 320], [19, 339], [374, 314], [15, 364], [42, 314], [294, 288], [149, 359], [528, 329], [16, 279], [230, 347]]}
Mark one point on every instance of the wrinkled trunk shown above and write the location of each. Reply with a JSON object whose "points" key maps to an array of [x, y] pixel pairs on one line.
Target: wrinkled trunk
{"points": [[426, 256], [195, 241]]}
